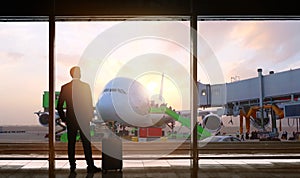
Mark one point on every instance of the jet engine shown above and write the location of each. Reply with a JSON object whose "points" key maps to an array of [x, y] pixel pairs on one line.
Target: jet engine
{"points": [[44, 118], [212, 123]]}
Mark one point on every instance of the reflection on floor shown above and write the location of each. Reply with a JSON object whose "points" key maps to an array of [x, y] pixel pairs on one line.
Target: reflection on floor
{"points": [[160, 168]]}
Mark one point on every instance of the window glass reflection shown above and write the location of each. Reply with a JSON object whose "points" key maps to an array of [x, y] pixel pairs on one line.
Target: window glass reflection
{"points": [[24, 78], [259, 62]]}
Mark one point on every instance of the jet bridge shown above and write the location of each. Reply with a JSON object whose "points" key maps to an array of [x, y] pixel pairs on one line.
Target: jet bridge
{"points": [[281, 90]]}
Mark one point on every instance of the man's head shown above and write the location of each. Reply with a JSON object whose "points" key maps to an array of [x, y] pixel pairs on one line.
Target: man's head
{"points": [[75, 72]]}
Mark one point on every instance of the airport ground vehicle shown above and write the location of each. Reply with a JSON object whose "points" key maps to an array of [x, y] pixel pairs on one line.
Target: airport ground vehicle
{"points": [[223, 138]]}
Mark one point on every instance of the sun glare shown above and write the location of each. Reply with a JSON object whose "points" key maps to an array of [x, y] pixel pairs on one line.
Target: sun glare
{"points": [[152, 87], [170, 93]]}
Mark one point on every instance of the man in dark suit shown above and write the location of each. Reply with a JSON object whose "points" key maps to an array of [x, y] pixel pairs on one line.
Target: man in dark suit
{"points": [[79, 113]]}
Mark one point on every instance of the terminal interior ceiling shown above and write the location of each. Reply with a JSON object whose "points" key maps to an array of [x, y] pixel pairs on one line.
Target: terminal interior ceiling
{"points": [[212, 8], [51, 11]]}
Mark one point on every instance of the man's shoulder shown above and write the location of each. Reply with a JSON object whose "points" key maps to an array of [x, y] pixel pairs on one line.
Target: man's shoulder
{"points": [[66, 85], [76, 83], [84, 83]]}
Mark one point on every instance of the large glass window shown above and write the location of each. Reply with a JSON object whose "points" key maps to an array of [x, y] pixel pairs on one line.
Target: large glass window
{"points": [[138, 71], [24, 78], [246, 70], [252, 83]]}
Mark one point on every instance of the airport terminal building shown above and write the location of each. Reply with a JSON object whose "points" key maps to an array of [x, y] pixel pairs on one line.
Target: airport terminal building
{"points": [[180, 88]]}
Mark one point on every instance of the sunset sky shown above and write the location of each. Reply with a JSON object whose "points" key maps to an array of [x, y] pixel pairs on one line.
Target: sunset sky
{"points": [[240, 47]]}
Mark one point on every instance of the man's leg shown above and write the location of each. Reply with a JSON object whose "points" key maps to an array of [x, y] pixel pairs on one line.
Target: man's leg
{"points": [[71, 148], [86, 143]]}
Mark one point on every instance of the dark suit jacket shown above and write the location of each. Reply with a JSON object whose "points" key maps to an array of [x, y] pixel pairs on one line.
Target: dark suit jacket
{"points": [[79, 106]]}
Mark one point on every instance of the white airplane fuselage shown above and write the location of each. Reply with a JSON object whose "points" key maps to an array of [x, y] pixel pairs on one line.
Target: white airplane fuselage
{"points": [[126, 101]]}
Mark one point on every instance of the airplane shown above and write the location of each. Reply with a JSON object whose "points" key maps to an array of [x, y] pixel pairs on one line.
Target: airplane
{"points": [[125, 101]]}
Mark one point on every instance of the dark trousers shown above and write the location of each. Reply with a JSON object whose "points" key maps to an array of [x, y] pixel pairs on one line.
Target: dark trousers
{"points": [[86, 143]]}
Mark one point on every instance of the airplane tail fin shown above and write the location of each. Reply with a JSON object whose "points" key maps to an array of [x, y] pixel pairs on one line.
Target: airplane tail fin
{"points": [[161, 87]]}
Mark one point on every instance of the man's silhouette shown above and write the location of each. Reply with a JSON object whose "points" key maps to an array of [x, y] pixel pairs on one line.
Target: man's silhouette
{"points": [[79, 113]]}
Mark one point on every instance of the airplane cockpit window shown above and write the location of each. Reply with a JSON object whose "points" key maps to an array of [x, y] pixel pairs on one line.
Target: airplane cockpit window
{"points": [[111, 90]]}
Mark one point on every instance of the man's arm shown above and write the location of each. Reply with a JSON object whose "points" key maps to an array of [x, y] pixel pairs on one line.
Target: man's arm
{"points": [[60, 103], [90, 103]]}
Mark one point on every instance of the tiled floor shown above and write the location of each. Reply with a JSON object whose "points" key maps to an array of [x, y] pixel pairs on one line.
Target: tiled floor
{"points": [[213, 168]]}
